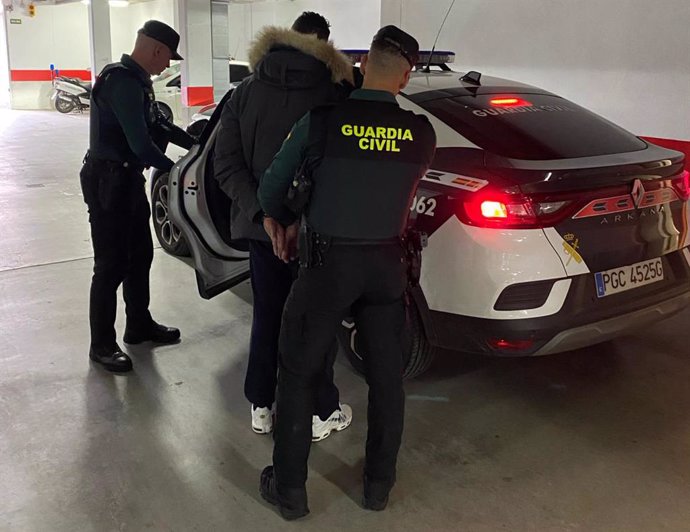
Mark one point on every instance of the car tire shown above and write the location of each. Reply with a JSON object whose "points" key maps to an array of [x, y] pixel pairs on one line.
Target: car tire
{"points": [[168, 235], [64, 106], [417, 352]]}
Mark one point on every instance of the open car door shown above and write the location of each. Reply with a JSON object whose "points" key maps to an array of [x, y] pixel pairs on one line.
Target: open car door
{"points": [[201, 211]]}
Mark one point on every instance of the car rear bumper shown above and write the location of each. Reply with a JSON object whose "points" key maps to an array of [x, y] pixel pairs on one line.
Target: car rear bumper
{"points": [[583, 320], [594, 333]]}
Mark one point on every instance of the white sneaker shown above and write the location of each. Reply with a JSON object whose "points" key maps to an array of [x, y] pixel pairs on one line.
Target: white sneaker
{"points": [[339, 420], [262, 420]]}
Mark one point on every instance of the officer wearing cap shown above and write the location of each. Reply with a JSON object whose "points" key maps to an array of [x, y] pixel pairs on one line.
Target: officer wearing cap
{"points": [[127, 134], [367, 157]]}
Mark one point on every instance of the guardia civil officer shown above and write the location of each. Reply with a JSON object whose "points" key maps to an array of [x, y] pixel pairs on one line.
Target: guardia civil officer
{"points": [[127, 134], [370, 157]]}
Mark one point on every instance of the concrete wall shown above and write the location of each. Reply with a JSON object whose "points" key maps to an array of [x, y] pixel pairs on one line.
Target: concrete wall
{"points": [[124, 22], [59, 35], [628, 60], [353, 22]]}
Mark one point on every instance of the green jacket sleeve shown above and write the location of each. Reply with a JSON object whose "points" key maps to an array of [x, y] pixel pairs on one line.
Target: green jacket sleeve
{"points": [[275, 182], [127, 102]]}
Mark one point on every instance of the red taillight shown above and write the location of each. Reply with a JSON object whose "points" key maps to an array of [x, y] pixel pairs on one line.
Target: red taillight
{"points": [[502, 211], [509, 102], [511, 211], [493, 209], [510, 345]]}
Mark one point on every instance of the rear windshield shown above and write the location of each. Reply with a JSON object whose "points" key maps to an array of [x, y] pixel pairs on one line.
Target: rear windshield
{"points": [[532, 126]]}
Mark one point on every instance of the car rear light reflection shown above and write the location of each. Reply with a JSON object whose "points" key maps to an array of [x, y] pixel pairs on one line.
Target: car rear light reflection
{"points": [[682, 185], [510, 345]]}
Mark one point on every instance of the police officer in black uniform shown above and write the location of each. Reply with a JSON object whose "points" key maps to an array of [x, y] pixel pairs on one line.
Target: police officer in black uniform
{"points": [[370, 157], [128, 133]]}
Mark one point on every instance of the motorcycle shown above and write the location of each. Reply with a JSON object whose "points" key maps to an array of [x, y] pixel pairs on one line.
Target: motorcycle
{"points": [[70, 94]]}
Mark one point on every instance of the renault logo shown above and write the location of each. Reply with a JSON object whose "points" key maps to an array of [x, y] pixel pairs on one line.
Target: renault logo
{"points": [[637, 192]]}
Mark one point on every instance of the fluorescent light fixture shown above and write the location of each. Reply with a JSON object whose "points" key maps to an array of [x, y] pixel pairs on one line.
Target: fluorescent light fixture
{"points": [[112, 3]]}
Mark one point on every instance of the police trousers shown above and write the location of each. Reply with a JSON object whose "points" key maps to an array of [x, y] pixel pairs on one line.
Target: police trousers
{"points": [[367, 282], [119, 215]]}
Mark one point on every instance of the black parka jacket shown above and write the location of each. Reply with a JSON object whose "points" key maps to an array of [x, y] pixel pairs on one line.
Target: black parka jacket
{"points": [[292, 73]]}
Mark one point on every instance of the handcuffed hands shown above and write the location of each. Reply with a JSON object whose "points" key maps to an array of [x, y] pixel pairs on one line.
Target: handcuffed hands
{"points": [[283, 239]]}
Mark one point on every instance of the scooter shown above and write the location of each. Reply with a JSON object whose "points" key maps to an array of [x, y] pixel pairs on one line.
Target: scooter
{"points": [[70, 94]]}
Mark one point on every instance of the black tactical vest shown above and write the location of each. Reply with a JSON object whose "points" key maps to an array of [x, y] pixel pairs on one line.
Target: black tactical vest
{"points": [[373, 158], [107, 139]]}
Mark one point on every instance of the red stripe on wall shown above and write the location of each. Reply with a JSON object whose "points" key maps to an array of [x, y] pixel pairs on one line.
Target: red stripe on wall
{"points": [[195, 96], [46, 75], [678, 145]]}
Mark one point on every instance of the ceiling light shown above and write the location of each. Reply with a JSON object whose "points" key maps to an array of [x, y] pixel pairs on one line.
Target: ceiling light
{"points": [[118, 3]]}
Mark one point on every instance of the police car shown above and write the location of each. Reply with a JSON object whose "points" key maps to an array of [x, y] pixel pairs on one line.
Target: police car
{"points": [[549, 228]]}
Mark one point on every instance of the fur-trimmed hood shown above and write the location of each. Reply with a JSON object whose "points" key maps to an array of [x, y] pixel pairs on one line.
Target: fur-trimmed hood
{"points": [[272, 37]]}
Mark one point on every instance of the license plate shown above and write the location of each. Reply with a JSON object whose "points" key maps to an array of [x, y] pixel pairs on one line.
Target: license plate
{"points": [[629, 277]]}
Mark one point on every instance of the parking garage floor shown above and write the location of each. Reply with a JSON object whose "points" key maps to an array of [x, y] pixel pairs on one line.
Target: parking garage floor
{"points": [[597, 439]]}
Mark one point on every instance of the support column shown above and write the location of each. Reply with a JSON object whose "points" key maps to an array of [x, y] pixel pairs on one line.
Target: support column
{"points": [[4, 63], [195, 47], [99, 36], [391, 12]]}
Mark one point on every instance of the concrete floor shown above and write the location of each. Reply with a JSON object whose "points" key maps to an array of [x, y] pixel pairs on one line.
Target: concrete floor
{"points": [[597, 439]]}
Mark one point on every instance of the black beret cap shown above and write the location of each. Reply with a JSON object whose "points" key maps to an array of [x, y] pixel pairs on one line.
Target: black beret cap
{"points": [[163, 34], [405, 43]]}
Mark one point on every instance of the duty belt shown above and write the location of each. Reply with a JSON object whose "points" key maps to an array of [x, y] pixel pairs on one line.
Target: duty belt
{"points": [[338, 241], [314, 246], [90, 158]]}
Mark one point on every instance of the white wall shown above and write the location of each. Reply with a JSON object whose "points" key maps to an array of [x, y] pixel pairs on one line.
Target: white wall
{"points": [[125, 21], [353, 22], [59, 35], [628, 60]]}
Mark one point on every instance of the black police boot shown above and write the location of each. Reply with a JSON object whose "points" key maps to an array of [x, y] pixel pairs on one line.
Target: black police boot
{"points": [[292, 503], [155, 332], [111, 358], [375, 494]]}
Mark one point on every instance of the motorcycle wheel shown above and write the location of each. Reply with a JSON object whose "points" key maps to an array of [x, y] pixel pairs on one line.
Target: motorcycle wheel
{"points": [[64, 106]]}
